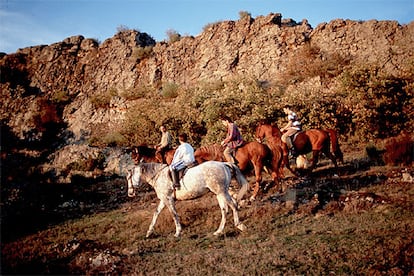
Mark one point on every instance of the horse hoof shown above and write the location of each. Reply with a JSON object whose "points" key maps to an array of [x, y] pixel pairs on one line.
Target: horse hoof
{"points": [[217, 233], [242, 227], [252, 198]]}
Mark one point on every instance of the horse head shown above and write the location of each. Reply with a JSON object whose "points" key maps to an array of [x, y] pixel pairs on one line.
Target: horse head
{"points": [[136, 157], [259, 133], [134, 179]]}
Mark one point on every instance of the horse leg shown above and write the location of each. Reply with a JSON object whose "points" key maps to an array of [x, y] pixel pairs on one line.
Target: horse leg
{"points": [[154, 218], [285, 159], [258, 173], [223, 208], [173, 211], [234, 208], [333, 159], [315, 157]]}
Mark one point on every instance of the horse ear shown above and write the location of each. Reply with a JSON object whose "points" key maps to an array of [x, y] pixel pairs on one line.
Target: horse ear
{"points": [[141, 160]]}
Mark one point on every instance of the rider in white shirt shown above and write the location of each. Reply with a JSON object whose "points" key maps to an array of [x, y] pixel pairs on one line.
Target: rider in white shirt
{"points": [[293, 126], [183, 157]]}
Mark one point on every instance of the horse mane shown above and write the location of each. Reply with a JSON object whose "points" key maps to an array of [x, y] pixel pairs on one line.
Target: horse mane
{"points": [[214, 151], [152, 167], [145, 150], [276, 131]]}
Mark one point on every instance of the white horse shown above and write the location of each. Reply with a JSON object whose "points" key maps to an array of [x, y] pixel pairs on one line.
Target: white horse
{"points": [[212, 175]]}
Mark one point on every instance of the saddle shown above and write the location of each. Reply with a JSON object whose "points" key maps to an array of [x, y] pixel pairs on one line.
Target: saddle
{"points": [[293, 137], [181, 173]]}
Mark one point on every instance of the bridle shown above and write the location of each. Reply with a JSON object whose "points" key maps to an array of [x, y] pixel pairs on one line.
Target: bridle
{"points": [[154, 177]]}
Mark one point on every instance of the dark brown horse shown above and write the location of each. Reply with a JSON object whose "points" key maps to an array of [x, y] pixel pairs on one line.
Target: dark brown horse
{"points": [[253, 153], [313, 140], [149, 154]]}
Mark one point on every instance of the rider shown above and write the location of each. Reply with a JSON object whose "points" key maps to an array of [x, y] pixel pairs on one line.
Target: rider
{"points": [[292, 127], [183, 157], [165, 143], [233, 139]]}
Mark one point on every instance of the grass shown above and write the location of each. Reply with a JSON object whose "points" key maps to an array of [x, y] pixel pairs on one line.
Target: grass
{"points": [[279, 240], [360, 223]]}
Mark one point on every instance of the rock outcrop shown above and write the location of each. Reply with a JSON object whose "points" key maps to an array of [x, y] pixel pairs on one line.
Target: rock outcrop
{"points": [[78, 68]]}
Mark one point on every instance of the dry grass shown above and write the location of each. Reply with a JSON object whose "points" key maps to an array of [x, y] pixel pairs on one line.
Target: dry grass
{"points": [[366, 229]]}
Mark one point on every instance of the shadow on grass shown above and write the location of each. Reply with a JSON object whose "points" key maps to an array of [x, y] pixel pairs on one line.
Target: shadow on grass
{"points": [[40, 205]]}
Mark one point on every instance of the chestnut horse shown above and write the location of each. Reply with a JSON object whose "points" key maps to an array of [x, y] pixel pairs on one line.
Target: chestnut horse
{"points": [[313, 140], [149, 154], [253, 153]]}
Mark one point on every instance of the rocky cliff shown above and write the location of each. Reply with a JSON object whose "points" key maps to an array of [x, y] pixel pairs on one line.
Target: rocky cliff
{"points": [[54, 83]]}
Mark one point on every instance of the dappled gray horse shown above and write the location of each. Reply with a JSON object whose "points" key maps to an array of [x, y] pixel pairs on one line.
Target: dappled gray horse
{"points": [[212, 175]]}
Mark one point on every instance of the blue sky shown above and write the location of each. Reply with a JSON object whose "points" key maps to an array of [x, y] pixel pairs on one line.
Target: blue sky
{"points": [[25, 23]]}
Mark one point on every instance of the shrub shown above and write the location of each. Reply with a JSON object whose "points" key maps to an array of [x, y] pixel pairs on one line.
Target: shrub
{"points": [[374, 154], [141, 53], [137, 93], [113, 139], [60, 97], [169, 90], [103, 100], [399, 150], [372, 98], [244, 14], [173, 36], [311, 61]]}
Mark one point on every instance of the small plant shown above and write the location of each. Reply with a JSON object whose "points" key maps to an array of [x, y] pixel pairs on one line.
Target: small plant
{"points": [[169, 90], [141, 53], [60, 96], [101, 100], [122, 28], [137, 93], [244, 14], [114, 139], [173, 36]]}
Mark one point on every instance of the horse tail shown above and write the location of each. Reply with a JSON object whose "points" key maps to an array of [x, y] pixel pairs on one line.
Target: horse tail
{"points": [[240, 179], [335, 148]]}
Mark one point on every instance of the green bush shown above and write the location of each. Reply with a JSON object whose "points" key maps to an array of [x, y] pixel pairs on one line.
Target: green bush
{"points": [[373, 98], [361, 98]]}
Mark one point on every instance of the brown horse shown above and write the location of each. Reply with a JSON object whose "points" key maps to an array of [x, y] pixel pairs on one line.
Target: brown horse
{"points": [[313, 140], [252, 153], [149, 154]]}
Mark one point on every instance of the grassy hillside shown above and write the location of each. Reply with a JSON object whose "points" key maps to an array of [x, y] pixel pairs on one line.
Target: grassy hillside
{"points": [[359, 223]]}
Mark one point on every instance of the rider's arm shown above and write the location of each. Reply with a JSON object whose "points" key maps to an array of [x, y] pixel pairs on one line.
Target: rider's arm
{"points": [[289, 124]]}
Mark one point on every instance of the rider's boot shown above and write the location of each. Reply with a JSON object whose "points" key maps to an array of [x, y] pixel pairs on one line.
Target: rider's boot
{"points": [[290, 146], [234, 160], [175, 179]]}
